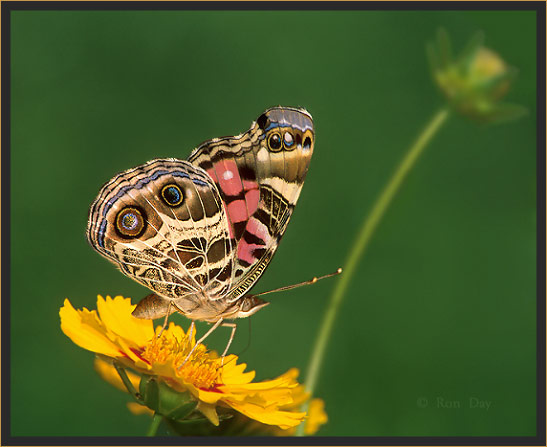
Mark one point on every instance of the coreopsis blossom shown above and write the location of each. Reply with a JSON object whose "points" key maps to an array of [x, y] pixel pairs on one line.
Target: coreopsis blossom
{"points": [[171, 384], [315, 418]]}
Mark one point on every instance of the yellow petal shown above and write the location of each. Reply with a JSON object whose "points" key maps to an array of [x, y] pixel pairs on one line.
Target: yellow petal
{"points": [[131, 350], [176, 331], [116, 316], [232, 373], [281, 381], [291, 374], [299, 396], [209, 412], [269, 415], [86, 330], [278, 397]]}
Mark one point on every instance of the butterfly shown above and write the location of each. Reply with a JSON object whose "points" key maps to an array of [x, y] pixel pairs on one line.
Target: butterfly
{"points": [[200, 232]]}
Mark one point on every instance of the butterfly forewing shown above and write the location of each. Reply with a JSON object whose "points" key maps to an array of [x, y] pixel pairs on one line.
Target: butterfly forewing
{"points": [[259, 176]]}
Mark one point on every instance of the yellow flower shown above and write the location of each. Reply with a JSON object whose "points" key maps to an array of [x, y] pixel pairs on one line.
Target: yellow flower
{"points": [[114, 333]]}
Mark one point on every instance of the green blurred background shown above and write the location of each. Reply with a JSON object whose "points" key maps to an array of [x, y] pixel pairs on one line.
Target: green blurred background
{"points": [[443, 306]]}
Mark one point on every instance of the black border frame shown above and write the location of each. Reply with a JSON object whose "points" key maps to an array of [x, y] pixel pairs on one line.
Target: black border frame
{"points": [[538, 6]]}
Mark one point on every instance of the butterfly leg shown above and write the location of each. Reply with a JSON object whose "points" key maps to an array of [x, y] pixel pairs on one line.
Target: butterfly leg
{"points": [[234, 327], [217, 324], [191, 330], [166, 318]]}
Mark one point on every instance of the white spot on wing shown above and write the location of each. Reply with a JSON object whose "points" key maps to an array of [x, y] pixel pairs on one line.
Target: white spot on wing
{"points": [[262, 155], [228, 175]]}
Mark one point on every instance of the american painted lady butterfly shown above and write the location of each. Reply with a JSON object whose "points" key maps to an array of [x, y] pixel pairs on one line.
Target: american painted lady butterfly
{"points": [[199, 233]]}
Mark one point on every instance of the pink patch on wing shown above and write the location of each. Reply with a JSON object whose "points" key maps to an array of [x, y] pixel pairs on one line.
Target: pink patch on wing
{"points": [[249, 184], [226, 174], [252, 197], [228, 177], [245, 251], [237, 210], [254, 226]]}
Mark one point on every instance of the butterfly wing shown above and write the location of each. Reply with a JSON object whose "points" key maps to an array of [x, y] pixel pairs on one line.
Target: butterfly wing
{"points": [[259, 175], [163, 224]]}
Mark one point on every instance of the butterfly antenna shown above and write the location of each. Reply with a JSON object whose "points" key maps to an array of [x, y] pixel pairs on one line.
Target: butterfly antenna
{"points": [[300, 284]]}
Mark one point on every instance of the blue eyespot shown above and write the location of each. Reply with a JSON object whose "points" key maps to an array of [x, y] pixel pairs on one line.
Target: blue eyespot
{"points": [[172, 195], [130, 222]]}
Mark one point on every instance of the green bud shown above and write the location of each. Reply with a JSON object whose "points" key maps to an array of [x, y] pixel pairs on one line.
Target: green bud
{"points": [[475, 81], [164, 400], [175, 404], [182, 411], [201, 426]]}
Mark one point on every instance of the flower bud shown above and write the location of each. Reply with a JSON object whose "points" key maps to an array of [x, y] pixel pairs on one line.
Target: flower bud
{"points": [[475, 81]]}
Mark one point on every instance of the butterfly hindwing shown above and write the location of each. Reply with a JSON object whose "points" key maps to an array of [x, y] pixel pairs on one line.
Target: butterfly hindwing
{"points": [[164, 225]]}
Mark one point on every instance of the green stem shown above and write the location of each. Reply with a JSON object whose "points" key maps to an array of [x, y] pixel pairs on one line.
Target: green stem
{"points": [[156, 421], [360, 245], [123, 375]]}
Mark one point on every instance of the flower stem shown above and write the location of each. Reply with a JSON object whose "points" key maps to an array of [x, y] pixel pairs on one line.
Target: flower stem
{"points": [[367, 230], [123, 375], [156, 421]]}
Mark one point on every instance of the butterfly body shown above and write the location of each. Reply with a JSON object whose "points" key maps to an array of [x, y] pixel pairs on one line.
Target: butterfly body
{"points": [[199, 233]]}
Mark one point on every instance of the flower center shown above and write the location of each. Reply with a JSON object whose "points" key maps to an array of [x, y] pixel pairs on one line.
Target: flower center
{"points": [[201, 370]]}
